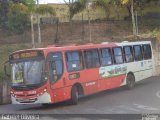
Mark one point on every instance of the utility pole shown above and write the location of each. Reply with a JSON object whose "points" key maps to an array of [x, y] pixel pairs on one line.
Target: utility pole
{"points": [[32, 31], [39, 28], [89, 23], [133, 18], [137, 31]]}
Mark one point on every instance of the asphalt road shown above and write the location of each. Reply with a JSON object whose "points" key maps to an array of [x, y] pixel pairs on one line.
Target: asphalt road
{"points": [[143, 99]]}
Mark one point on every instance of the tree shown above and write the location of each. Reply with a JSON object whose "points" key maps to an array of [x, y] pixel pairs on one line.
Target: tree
{"points": [[104, 5], [116, 5], [75, 6], [69, 4], [9, 15], [130, 6], [30, 4], [128, 3], [4, 8], [44, 9], [16, 1], [18, 18], [140, 4]]}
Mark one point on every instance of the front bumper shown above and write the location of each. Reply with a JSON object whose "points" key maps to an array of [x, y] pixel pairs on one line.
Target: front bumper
{"points": [[45, 98]]}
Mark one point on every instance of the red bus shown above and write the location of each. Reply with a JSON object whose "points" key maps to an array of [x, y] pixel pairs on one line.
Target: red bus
{"points": [[59, 73]]}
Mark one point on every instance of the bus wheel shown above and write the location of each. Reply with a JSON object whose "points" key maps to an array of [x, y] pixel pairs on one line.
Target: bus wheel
{"points": [[45, 104], [74, 96], [130, 81]]}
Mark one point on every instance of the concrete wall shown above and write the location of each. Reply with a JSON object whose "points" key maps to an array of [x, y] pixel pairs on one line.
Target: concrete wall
{"points": [[5, 92], [1, 91], [157, 55]]}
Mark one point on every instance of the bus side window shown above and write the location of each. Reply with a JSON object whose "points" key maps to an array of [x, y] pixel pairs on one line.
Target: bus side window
{"points": [[55, 66], [137, 53], [118, 56], [128, 53], [74, 61], [92, 58], [106, 57], [147, 52]]}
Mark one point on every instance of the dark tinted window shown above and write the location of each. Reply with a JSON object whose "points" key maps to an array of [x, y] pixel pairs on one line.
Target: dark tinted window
{"points": [[118, 56], [91, 58], [147, 52], [128, 53], [106, 57], [137, 53], [55, 66], [74, 61]]}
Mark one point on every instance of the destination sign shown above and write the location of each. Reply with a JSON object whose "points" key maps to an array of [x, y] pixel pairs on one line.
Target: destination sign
{"points": [[27, 54]]}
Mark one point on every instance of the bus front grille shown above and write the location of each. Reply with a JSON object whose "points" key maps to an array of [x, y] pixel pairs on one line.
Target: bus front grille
{"points": [[27, 101]]}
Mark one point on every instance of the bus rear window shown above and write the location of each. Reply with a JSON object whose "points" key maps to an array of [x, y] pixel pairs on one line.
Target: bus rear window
{"points": [[147, 52], [137, 53]]}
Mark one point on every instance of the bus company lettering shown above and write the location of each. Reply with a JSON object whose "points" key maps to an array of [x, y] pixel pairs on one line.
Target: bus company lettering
{"points": [[110, 71], [90, 84]]}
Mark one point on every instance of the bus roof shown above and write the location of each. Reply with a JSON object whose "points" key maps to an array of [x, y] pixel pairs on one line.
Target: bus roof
{"points": [[87, 46], [93, 46]]}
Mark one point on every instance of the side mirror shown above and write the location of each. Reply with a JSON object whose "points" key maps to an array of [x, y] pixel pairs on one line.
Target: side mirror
{"points": [[7, 69]]}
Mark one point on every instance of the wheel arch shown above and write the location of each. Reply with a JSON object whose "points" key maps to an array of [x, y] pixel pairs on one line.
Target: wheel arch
{"points": [[130, 80], [131, 74], [79, 88]]}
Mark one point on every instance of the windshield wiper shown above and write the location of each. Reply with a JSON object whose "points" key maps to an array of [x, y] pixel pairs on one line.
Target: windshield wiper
{"points": [[27, 87]]}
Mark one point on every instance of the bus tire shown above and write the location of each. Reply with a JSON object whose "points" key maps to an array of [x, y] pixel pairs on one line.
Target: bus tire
{"points": [[130, 81], [74, 96], [45, 104]]}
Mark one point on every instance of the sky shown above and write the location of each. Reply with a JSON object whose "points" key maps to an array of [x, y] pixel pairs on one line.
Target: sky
{"points": [[51, 1]]}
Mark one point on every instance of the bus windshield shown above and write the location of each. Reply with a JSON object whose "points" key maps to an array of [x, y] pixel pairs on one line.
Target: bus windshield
{"points": [[28, 72]]}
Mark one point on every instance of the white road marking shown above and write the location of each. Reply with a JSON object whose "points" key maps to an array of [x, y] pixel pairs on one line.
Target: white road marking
{"points": [[146, 107], [95, 110], [134, 108], [115, 110], [158, 94], [129, 108]]}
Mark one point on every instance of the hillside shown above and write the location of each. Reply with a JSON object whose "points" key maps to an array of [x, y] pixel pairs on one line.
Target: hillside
{"points": [[115, 12]]}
